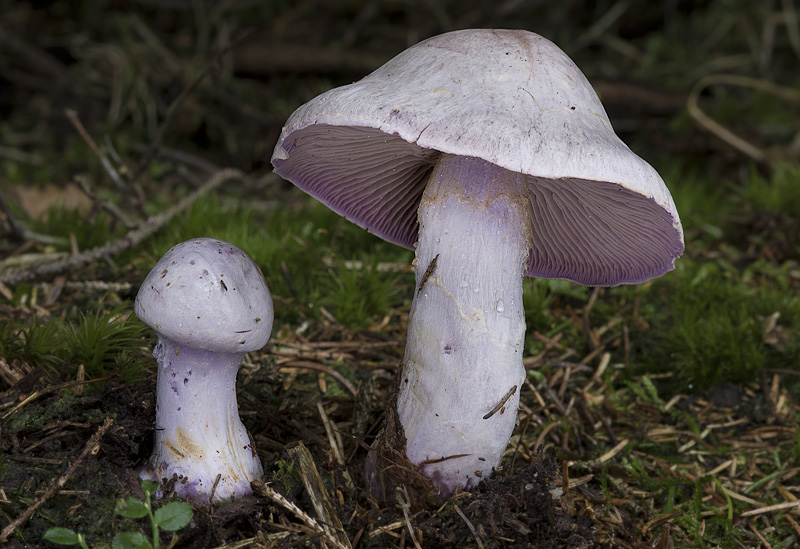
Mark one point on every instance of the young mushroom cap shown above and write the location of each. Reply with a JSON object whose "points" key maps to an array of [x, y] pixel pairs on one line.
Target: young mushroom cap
{"points": [[207, 294], [488, 151], [210, 305]]}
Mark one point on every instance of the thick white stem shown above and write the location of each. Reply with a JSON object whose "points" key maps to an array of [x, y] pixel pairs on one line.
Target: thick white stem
{"points": [[463, 355], [198, 432]]}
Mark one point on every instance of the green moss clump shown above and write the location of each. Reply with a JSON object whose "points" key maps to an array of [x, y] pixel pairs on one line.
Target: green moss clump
{"points": [[708, 326]]}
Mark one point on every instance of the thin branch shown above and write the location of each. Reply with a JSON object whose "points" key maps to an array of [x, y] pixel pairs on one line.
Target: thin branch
{"points": [[107, 205], [90, 448], [106, 163], [173, 108], [299, 513], [128, 241], [16, 230]]}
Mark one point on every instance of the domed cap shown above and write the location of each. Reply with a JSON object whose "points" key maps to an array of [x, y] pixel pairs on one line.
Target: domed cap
{"points": [[600, 214], [207, 294]]}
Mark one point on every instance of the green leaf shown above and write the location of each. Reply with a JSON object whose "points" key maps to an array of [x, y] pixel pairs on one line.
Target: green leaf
{"points": [[174, 516], [149, 486], [131, 508], [130, 540], [61, 536]]}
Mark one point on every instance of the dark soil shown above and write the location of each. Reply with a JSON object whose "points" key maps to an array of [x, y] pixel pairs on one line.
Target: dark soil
{"points": [[514, 508]]}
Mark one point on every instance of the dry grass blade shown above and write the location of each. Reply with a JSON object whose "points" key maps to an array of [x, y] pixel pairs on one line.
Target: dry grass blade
{"points": [[404, 504], [613, 452], [469, 525], [302, 515], [324, 369], [335, 445], [770, 508], [326, 510]]}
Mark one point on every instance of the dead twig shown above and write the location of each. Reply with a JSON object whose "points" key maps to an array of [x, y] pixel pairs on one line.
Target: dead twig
{"points": [[104, 161], [182, 157], [128, 241], [52, 389], [107, 205], [745, 147], [502, 402], [90, 448], [312, 524]]}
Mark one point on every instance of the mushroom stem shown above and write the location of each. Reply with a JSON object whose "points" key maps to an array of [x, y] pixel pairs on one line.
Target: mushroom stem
{"points": [[198, 432], [466, 328]]}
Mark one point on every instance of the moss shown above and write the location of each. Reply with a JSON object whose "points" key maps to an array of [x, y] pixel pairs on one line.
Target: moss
{"points": [[294, 250], [105, 342], [288, 477], [708, 326], [34, 418]]}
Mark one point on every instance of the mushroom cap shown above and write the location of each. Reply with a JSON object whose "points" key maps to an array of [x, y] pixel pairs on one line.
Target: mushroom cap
{"points": [[207, 294], [600, 214]]}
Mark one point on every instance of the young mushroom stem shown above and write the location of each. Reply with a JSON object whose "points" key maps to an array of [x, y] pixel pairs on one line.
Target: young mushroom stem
{"points": [[467, 325], [198, 432]]}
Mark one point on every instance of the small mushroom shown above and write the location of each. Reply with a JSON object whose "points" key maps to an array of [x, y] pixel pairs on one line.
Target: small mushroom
{"points": [[489, 152], [210, 305]]}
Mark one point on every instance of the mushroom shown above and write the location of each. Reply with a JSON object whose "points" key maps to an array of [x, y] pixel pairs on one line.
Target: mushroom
{"points": [[490, 153], [210, 305]]}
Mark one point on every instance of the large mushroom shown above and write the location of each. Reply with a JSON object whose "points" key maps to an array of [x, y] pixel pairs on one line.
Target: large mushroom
{"points": [[210, 305], [488, 151]]}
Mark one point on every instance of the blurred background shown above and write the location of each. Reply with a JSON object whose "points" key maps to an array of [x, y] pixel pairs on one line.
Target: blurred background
{"points": [[121, 64]]}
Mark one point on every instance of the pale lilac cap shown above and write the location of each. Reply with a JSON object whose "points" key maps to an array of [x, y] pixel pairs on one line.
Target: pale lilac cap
{"points": [[600, 214], [207, 294]]}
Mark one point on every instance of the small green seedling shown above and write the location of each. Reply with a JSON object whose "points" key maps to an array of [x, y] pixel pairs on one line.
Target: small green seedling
{"points": [[65, 536], [171, 517]]}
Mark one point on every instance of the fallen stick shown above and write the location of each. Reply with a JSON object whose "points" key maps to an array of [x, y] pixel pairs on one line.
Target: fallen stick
{"points": [[131, 239], [58, 484]]}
